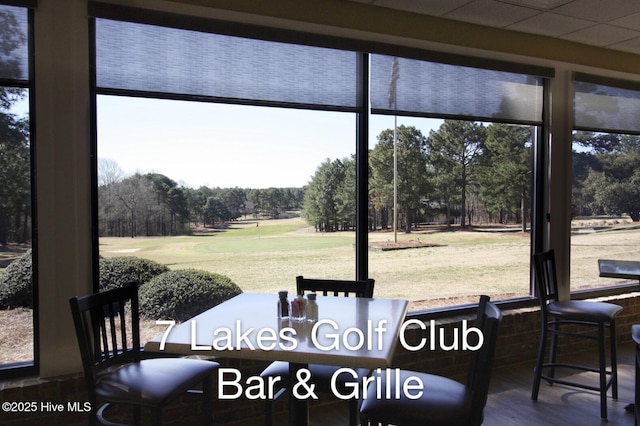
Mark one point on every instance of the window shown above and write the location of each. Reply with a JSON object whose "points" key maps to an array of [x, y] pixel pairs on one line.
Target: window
{"points": [[274, 87], [462, 181], [606, 151], [17, 275], [191, 185], [226, 154]]}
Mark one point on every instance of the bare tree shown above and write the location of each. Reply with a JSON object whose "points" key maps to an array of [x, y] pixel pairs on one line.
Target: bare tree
{"points": [[108, 172]]}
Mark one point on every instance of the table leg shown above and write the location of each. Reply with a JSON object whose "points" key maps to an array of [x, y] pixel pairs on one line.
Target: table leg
{"points": [[298, 408]]}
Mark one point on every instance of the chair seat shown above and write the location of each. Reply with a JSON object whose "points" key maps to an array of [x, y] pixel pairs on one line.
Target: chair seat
{"points": [[635, 333], [152, 382], [320, 375], [443, 402], [584, 310]]}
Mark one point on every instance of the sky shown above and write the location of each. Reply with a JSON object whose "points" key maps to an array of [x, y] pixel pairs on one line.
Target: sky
{"points": [[218, 145]]}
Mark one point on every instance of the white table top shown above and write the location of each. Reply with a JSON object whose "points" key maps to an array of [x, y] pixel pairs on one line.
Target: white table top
{"points": [[216, 332]]}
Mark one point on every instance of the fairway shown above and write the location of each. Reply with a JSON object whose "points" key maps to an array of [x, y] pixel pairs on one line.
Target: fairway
{"points": [[266, 256]]}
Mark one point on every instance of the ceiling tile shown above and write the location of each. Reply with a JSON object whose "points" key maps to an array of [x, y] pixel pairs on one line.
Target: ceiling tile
{"points": [[601, 35], [538, 4], [605, 23], [492, 13], [629, 21], [550, 24], [632, 46], [431, 7], [599, 10]]}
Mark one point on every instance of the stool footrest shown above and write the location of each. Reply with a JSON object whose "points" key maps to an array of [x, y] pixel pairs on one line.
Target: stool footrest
{"points": [[572, 383]]}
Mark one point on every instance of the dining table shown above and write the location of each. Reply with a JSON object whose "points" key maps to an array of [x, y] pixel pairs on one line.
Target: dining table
{"points": [[625, 269], [350, 332]]}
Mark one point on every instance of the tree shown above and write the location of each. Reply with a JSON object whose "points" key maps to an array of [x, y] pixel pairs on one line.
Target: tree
{"points": [[15, 179], [612, 186], [324, 200], [134, 198], [454, 150], [15, 169], [109, 172], [505, 173], [412, 177], [214, 210], [170, 200]]}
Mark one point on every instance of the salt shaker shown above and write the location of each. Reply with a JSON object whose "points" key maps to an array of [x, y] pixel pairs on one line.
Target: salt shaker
{"points": [[311, 308]]}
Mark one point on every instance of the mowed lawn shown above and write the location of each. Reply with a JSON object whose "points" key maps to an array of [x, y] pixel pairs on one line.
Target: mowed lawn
{"points": [[266, 256]]}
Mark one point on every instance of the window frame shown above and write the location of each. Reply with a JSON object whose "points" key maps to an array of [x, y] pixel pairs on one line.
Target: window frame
{"points": [[98, 10], [29, 367]]}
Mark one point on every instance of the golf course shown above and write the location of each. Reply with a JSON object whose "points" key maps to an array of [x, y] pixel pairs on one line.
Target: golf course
{"points": [[448, 266]]}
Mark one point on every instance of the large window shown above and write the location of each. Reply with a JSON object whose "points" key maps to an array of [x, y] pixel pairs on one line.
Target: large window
{"points": [[17, 277], [262, 147], [451, 178], [225, 154], [237, 190], [606, 180]]}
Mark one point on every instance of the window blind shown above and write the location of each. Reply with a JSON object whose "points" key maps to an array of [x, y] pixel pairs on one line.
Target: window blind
{"points": [[155, 59], [418, 87], [14, 48], [606, 105]]}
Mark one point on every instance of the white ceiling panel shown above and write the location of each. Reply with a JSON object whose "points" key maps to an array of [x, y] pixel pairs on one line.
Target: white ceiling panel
{"points": [[431, 7], [599, 10], [601, 35], [491, 13], [613, 24], [630, 21], [551, 24]]}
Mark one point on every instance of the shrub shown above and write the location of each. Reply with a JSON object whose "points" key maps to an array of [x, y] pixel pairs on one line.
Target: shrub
{"points": [[16, 283], [118, 271], [184, 293]]}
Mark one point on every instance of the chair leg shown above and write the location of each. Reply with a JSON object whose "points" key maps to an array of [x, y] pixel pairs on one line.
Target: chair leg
{"points": [[268, 411], [156, 416], [614, 359], [207, 400], [553, 352], [603, 371], [537, 372], [136, 415], [268, 415], [353, 412]]}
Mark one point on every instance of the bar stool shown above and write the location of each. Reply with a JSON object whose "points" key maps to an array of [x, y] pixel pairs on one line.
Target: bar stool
{"points": [[554, 314]]}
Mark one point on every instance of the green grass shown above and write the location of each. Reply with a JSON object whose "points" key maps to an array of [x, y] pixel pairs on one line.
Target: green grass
{"points": [[268, 257]]}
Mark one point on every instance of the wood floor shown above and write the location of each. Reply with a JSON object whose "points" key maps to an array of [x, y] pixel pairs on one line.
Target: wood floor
{"points": [[510, 401]]}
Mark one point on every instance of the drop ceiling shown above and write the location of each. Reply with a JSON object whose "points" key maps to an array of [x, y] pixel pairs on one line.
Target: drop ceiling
{"points": [[612, 24]]}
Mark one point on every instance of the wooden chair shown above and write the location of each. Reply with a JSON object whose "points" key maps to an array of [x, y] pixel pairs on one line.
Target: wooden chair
{"points": [[444, 402], [556, 314], [114, 368], [321, 374]]}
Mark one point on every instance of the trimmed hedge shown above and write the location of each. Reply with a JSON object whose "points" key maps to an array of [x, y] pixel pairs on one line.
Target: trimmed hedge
{"points": [[181, 294], [16, 283], [118, 271]]}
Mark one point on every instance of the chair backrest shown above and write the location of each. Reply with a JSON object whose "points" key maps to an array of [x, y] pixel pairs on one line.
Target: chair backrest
{"points": [[108, 330], [356, 288], [546, 279], [481, 362]]}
